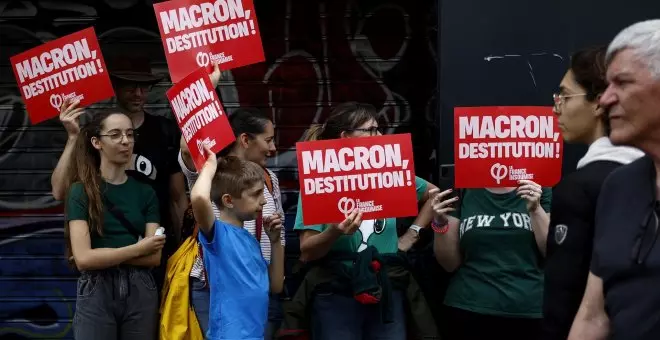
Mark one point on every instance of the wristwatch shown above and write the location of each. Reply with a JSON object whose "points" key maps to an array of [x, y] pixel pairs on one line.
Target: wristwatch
{"points": [[415, 228]]}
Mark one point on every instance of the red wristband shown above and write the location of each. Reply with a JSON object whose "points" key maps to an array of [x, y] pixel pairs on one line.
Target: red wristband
{"points": [[438, 228]]}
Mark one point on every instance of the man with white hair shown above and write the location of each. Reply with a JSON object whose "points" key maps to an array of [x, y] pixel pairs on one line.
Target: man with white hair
{"points": [[625, 269]]}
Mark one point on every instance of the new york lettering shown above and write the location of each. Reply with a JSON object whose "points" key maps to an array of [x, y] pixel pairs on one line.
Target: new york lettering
{"points": [[506, 220]]}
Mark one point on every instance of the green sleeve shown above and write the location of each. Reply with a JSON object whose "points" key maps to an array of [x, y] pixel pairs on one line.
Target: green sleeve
{"points": [[546, 199], [76, 203], [152, 211], [420, 187], [298, 225]]}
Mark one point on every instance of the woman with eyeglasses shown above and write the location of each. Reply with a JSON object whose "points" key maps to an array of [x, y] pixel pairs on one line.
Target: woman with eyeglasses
{"points": [[349, 299], [111, 223], [571, 230]]}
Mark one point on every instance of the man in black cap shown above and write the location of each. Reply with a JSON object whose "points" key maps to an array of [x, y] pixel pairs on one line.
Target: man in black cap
{"points": [[154, 159]]}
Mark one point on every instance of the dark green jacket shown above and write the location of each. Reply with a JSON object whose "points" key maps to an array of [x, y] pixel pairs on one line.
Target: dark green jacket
{"points": [[359, 279]]}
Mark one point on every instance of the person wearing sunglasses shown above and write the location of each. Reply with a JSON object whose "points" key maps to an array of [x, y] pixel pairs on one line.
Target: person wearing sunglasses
{"points": [[347, 297], [621, 297], [582, 120]]}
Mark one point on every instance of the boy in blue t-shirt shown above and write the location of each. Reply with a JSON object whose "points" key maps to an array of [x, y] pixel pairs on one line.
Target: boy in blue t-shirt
{"points": [[239, 277]]}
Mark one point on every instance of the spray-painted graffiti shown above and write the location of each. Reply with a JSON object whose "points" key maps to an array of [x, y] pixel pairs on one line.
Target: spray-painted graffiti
{"points": [[37, 289], [318, 54]]}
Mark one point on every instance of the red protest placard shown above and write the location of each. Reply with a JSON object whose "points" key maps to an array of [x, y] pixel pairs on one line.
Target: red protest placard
{"points": [[497, 146], [373, 174], [196, 33], [70, 67], [200, 116]]}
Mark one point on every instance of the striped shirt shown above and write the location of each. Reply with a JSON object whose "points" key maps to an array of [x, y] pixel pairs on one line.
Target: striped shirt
{"points": [[273, 205]]}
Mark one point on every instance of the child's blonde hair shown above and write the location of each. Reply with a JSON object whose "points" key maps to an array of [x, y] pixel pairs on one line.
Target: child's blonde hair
{"points": [[233, 176]]}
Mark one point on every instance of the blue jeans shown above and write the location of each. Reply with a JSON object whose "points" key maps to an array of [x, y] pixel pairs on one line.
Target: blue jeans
{"points": [[336, 316], [201, 298], [116, 303], [275, 316]]}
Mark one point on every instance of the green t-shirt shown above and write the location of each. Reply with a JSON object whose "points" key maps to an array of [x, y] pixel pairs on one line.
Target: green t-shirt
{"points": [[381, 234], [500, 274], [136, 200]]}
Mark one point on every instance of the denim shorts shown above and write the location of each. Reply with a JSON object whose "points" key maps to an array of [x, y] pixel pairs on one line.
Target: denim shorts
{"points": [[116, 303]]}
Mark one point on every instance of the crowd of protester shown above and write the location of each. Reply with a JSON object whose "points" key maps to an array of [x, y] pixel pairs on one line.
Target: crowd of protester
{"points": [[576, 261]]}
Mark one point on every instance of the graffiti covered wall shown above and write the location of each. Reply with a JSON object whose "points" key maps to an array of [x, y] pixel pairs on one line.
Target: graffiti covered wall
{"points": [[318, 53]]}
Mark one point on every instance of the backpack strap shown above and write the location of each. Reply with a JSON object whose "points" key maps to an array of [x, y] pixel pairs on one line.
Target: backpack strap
{"points": [[269, 181], [119, 215]]}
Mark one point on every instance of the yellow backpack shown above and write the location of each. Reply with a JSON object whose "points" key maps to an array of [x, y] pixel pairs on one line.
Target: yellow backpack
{"points": [[177, 318]]}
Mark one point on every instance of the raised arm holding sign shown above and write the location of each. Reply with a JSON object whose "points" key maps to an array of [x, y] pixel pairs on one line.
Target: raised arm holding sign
{"points": [[200, 115]]}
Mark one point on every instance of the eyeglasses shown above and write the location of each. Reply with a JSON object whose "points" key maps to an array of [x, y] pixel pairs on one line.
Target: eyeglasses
{"points": [[647, 236], [372, 131], [560, 99], [118, 136]]}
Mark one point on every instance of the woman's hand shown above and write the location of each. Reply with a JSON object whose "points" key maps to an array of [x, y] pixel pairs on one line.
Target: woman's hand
{"points": [[350, 224], [70, 117], [215, 75], [442, 205], [151, 244], [530, 192]]}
